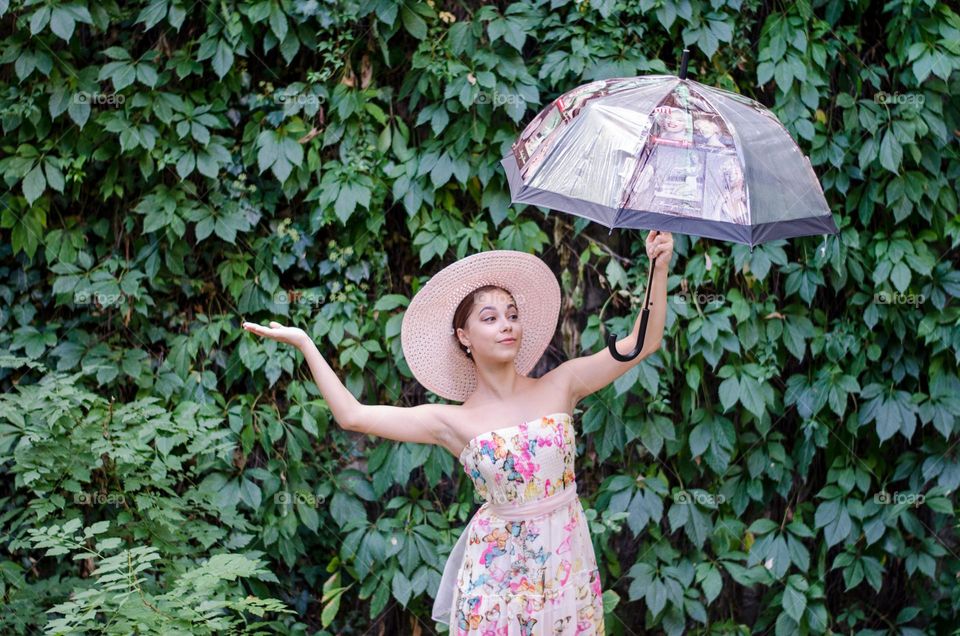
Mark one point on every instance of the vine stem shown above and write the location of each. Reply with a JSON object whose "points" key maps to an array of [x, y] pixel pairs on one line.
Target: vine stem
{"points": [[136, 585]]}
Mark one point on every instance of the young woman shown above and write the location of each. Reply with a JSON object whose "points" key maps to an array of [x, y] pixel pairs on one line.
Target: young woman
{"points": [[525, 563]]}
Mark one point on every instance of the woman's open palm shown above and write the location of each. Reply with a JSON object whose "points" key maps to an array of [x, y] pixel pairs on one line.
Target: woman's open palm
{"points": [[291, 335]]}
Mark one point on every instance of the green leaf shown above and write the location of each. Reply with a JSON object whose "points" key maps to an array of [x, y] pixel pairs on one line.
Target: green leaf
{"points": [[712, 583], [117, 53], [200, 133], [900, 276], [700, 438], [656, 596], [228, 496], [207, 165], [292, 150], [222, 59], [400, 584], [79, 109], [940, 504], [442, 170], [750, 396], [147, 75], [413, 23], [250, 493], [34, 184], [309, 422], [497, 202], [514, 34], [278, 22], [729, 392], [344, 508], [923, 66], [765, 72], [281, 168], [308, 514], [289, 47], [123, 76], [259, 12], [666, 14], [783, 74], [59, 100], [439, 119], [794, 602], [186, 164], [54, 176], [891, 153], [62, 23], [269, 150], [152, 14], [39, 20], [604, 7]]}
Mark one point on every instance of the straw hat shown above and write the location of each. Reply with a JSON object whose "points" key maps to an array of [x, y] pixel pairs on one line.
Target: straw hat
{"points": [[429, 343]]}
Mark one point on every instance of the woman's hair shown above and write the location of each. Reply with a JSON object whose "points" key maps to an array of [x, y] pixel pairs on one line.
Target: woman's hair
{"points": [[463, 312]]}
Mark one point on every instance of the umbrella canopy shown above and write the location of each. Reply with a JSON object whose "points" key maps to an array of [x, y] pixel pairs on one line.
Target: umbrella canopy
{"points": [[662, 152]]}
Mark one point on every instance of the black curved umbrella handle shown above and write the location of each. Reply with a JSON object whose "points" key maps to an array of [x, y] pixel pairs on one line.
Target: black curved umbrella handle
{"points": [[644, 315]]}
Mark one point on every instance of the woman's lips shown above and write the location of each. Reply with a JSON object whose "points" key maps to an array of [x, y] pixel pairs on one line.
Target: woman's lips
{"points": [[508, 341]]}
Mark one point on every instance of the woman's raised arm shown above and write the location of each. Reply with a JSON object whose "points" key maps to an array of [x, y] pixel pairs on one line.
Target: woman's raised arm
{"points": [[588, 374], [422, 424]]}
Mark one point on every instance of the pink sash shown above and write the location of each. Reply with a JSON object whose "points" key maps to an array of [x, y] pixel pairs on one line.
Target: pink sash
{"points": [[443, 604]]}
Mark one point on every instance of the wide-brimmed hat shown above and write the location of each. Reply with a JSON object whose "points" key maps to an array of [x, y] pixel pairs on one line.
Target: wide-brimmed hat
{"points": [[430, 345]]}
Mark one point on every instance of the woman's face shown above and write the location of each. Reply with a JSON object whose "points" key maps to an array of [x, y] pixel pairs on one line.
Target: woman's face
{"points": [[493, 323], [733, 177], [673, 120]]}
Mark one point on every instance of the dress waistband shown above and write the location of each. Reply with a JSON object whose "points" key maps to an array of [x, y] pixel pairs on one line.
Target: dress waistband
{"points": [[534, 507]]}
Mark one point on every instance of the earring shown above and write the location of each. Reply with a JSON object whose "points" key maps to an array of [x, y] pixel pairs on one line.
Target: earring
{"points": [[468, 349]]}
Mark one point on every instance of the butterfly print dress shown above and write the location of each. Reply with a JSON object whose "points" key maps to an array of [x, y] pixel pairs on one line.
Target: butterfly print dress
{"points": [[524, 565]]}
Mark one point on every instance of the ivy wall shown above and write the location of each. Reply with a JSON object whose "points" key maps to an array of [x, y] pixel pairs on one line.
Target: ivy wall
{"points": [[787, 462]]}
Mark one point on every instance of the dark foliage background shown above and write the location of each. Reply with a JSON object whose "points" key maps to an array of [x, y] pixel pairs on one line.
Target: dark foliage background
{"points": [[786, 463]]}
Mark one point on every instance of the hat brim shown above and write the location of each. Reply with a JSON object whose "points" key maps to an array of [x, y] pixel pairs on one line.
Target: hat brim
{"points": [[430, 347]]}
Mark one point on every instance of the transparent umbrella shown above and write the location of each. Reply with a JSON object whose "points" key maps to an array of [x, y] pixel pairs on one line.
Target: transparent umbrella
{"points": [[666, 153]]}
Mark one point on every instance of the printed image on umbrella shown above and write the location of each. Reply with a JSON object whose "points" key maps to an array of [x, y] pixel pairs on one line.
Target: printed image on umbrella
{"points": [[690, 167]]}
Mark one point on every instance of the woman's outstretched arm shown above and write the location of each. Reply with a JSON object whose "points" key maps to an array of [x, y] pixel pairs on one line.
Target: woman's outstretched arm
{"points": [[422, 424]]}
